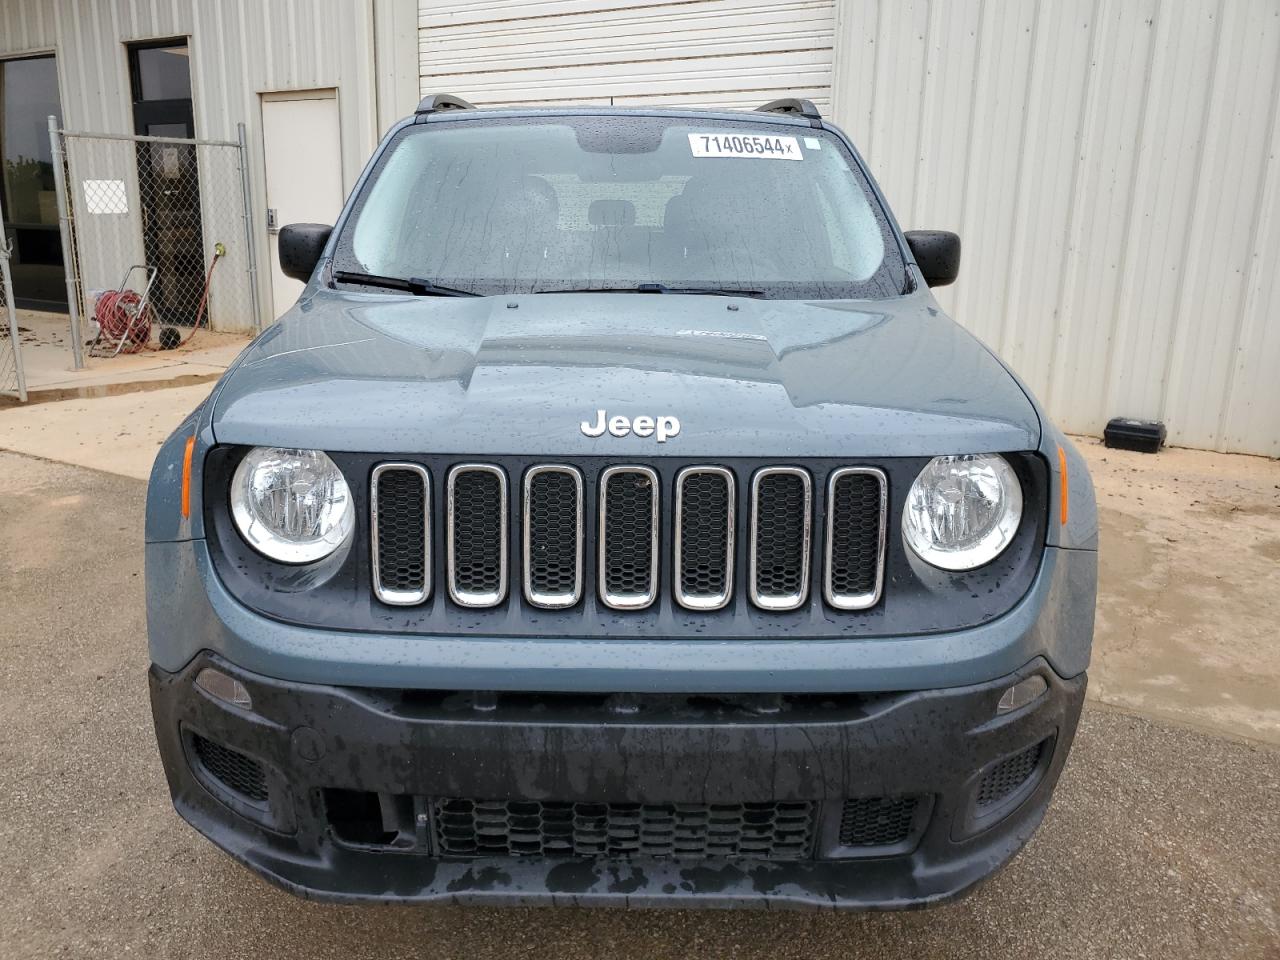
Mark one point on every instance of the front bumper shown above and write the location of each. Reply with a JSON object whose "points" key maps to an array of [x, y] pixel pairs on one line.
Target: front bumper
{"points": [[404, 751]]}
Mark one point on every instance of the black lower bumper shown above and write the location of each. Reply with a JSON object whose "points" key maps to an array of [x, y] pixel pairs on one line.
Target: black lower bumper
{"points": [[344, 794]]}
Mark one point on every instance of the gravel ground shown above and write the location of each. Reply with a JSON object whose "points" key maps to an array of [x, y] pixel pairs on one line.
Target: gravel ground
{"points": [[1163, 841]]}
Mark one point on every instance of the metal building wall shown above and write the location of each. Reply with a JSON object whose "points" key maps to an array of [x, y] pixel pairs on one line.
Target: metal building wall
{"points": [[239, 49], [1112, 168]]}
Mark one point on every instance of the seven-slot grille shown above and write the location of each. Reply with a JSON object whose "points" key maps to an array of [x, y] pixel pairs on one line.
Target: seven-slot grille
{"points": [[625, 519]]}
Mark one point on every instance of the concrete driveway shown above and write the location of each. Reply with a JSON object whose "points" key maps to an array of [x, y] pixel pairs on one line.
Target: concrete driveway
{"points": [[1163, 839]]}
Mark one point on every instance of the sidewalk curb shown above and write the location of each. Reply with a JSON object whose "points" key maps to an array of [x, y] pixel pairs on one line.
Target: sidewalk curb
{"points": [[93, 391]]}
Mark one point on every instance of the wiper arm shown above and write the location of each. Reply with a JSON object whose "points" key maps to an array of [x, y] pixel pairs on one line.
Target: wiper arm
{"points": [[414, 285], [663, 288]]}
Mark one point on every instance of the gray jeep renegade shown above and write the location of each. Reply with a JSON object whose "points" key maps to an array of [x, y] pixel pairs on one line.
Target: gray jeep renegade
{"points": [[617, 519]]}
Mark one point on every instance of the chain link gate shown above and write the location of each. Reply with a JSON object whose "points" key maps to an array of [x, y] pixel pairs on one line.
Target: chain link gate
{"points": [[12, 381], [157, 236]]}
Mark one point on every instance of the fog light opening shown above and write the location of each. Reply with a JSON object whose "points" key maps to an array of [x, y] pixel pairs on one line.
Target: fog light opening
{"points": [[1021, 693], [227, 689]]}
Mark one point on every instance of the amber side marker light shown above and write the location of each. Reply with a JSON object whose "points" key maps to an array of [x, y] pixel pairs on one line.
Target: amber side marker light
{"points": [[186, 475], [1062, 469]]}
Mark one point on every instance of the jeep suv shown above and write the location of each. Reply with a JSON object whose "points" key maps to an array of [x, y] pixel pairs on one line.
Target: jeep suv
{"points": [[617, 519]]}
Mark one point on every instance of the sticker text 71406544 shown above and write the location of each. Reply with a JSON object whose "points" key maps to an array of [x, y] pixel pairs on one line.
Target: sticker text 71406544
{"points": [[758, 146]]}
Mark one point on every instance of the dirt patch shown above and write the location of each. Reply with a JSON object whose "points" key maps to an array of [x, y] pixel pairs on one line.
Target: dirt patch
{"points": [[1188, 587], [1269, 549]]}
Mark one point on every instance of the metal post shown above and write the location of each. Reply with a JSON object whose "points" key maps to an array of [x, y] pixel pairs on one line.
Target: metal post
{"points": [[251, 252], [6, 293], [68, 251]]}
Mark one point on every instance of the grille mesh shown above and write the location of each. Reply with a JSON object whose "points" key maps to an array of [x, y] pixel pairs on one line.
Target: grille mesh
{"points": [[477, 532], [877, 821], [402, 535], [553, 535], [478, 828], [854, 538], [232, 769], [705, 537], [1008, 775], [781, 518], [627, 537]]}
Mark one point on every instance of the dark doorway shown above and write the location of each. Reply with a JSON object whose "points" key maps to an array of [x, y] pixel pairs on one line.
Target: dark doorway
{"points": [[28, 200], [168, 177]]}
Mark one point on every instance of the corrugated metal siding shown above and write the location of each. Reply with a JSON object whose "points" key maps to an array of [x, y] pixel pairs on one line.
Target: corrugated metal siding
{"points": [[1112, 167], [727, 53], [239, 49], [25, 27]]}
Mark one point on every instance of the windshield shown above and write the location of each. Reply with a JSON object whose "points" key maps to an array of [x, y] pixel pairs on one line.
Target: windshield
{"points": [[559, 204]]}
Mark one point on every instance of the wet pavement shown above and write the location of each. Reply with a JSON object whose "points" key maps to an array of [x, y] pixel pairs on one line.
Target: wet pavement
{"points": [[1163, 840]]}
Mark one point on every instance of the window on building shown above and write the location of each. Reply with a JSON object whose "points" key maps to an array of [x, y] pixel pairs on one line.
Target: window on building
{"points": [[168, 176], [28, 200]]}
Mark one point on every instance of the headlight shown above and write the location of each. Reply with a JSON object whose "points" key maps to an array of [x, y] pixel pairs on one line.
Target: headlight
{"points": [[962, 511], [291, 505]]}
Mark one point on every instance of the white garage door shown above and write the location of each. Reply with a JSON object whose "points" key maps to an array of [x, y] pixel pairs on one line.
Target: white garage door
{"points": [[726, 53]]}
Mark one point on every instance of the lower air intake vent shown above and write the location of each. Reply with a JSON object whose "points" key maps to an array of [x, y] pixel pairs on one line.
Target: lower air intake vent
{"points": [[877, 821], [1004, 779], [232, 769], [502, 828]]}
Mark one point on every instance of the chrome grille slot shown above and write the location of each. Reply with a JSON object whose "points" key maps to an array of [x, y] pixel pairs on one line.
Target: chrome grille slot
{"points": [[476, 535], [552, 536], [628, 537], [854, 556], [781, 512], [400, 533], [704, 525]]}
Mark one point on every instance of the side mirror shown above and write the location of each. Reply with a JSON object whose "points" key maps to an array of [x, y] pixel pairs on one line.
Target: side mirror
{"points": [[300, 246], [937, 254]]}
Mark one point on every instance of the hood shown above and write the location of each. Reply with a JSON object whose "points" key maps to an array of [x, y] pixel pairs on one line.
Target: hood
{"points": [[518, 375]]}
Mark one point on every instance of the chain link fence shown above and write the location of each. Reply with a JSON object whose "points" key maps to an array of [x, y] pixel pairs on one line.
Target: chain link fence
{"points": [[12, 382], [157, 239]]}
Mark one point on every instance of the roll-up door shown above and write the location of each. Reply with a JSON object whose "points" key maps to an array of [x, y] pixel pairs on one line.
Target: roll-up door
{"points": [[723, 53]]}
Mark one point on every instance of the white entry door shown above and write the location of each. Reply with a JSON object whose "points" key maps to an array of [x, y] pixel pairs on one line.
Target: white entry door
{"points": [[301, 140]]}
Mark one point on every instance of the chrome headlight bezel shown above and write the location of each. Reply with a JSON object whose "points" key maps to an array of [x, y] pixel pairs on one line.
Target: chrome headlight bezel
{"points": [[334, 526], [934, 490]]}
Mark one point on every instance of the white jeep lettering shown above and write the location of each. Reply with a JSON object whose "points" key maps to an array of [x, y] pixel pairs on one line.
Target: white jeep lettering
{"points": [[663, 428], [597, 429]]}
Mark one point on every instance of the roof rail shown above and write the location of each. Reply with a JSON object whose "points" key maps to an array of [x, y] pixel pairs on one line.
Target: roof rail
{"points": [[442, 101], [792, 105]]}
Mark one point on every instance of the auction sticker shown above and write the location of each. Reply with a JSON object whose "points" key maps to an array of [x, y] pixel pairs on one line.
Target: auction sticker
{"points": [[754, 145]]}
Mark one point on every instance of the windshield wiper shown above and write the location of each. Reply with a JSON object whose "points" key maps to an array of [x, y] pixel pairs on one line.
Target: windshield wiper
{"points": [[663, 288], [414, 285]]}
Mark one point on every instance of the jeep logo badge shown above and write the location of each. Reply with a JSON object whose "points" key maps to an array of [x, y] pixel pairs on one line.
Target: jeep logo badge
{"points": [[619, 426]]}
